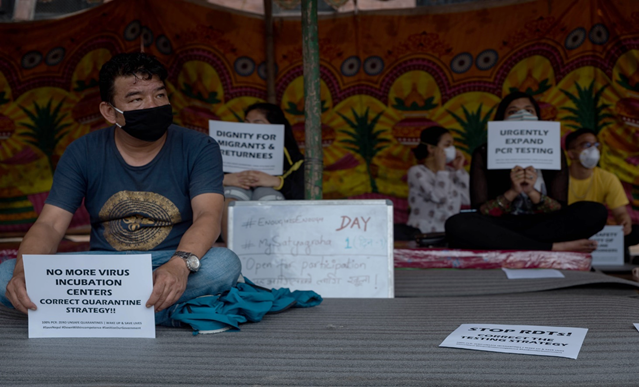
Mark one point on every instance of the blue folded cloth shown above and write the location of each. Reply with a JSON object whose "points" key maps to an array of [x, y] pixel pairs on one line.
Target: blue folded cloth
{"points": [[246, 302]]}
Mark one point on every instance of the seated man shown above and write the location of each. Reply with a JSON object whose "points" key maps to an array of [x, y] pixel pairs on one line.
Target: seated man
{"points": [[148, 185], [591, 183]]}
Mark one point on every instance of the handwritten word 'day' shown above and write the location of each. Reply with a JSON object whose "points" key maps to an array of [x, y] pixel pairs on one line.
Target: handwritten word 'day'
{"points": [[347, 221]]}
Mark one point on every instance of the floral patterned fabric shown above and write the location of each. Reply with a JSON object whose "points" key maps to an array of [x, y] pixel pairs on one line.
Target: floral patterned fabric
{"points": [[502, 206], [435, 197], [384, 78]]}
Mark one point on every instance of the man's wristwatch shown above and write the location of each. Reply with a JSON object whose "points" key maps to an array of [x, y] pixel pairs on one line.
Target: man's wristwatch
{"points": [[192, 261]]}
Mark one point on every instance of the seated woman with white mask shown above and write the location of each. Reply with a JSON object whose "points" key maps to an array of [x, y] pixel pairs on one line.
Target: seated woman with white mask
{"points": [[523, 208], [438, 186]]}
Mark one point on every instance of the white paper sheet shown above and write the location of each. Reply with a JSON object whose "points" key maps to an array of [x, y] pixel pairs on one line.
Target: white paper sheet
{"points": [[524, 143], [518, 339], [532, 273], [90, 295], [338, 248], [610, 249], [247, 147], [637, 326]]}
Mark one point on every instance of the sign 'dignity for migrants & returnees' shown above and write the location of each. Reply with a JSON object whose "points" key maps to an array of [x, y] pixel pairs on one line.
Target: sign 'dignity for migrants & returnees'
{"points": [[249, 147]]}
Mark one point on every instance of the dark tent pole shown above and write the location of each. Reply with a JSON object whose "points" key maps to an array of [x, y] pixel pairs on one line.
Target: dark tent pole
{"points": [[270, 52], [313, 163]]}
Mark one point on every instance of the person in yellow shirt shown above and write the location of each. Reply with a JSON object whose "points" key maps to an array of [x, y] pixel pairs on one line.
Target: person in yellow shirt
{"points": [[591, 183]]}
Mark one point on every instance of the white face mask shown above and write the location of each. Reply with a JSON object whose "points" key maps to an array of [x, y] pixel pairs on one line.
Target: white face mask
{"points": [[522, 115], [589, 157], [450, 153]]}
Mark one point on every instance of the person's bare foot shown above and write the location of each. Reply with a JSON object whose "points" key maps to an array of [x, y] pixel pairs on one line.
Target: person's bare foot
{"points": [[581, 245]]}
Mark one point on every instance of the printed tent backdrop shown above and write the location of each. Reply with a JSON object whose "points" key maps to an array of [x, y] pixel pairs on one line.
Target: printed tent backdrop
{"points": [[384, 79]]}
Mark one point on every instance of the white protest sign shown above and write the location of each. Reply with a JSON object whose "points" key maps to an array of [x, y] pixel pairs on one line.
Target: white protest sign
{"points": [[609, 246], [532, 273], [524, 143], [519, 339], [90, 295], [337, 248], [245, 147]]}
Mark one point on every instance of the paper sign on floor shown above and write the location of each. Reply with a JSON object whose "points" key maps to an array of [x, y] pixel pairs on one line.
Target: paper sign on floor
{"points": [[532, 273], [637, 326], [90, 295], [519, 339]]}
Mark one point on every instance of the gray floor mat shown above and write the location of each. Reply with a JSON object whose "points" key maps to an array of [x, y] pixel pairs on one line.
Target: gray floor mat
{"points": [[343, 342], [361, 342], [451, 282]]}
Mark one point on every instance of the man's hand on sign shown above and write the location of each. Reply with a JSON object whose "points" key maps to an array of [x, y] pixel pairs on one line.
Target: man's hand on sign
{"points": [[239, 179], [261, 179], [459, 161], [169, 282], [17, 292]]}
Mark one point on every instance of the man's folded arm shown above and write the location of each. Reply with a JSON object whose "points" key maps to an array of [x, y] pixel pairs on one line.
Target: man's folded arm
{"points": [[47, 232], [207, 217]]}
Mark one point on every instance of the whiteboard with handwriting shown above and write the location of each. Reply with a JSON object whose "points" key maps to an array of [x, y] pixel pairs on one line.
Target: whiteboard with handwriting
{"points": [[337, 248]]}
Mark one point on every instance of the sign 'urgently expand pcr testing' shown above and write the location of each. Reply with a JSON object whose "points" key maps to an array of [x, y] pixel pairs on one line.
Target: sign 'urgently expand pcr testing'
{"points": [[524, 144]]}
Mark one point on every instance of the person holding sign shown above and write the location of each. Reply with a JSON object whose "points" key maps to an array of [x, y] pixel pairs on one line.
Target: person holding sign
{"points": [[591, 183], [439, 187], [523, 208], [256, 185], [148, 185]]}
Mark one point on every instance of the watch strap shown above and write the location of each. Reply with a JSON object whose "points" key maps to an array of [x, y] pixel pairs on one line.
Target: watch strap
{"points": [[186, 255], [182, 254]]}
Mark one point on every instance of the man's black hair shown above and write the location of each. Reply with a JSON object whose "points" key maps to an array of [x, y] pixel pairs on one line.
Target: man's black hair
{"points": [[138, 64], [503, 105], [572, 137]]}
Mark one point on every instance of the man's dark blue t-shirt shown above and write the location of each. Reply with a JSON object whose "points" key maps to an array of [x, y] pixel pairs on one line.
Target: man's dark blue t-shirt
{"points": [[137, 208]]}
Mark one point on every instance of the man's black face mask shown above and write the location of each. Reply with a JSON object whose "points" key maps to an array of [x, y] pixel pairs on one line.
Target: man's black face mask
{"points": [[147, 124]]}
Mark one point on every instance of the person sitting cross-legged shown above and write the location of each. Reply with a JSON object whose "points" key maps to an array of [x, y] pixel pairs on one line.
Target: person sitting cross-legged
{"points": [[588, 182], [149, 187], [523, 208]]}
